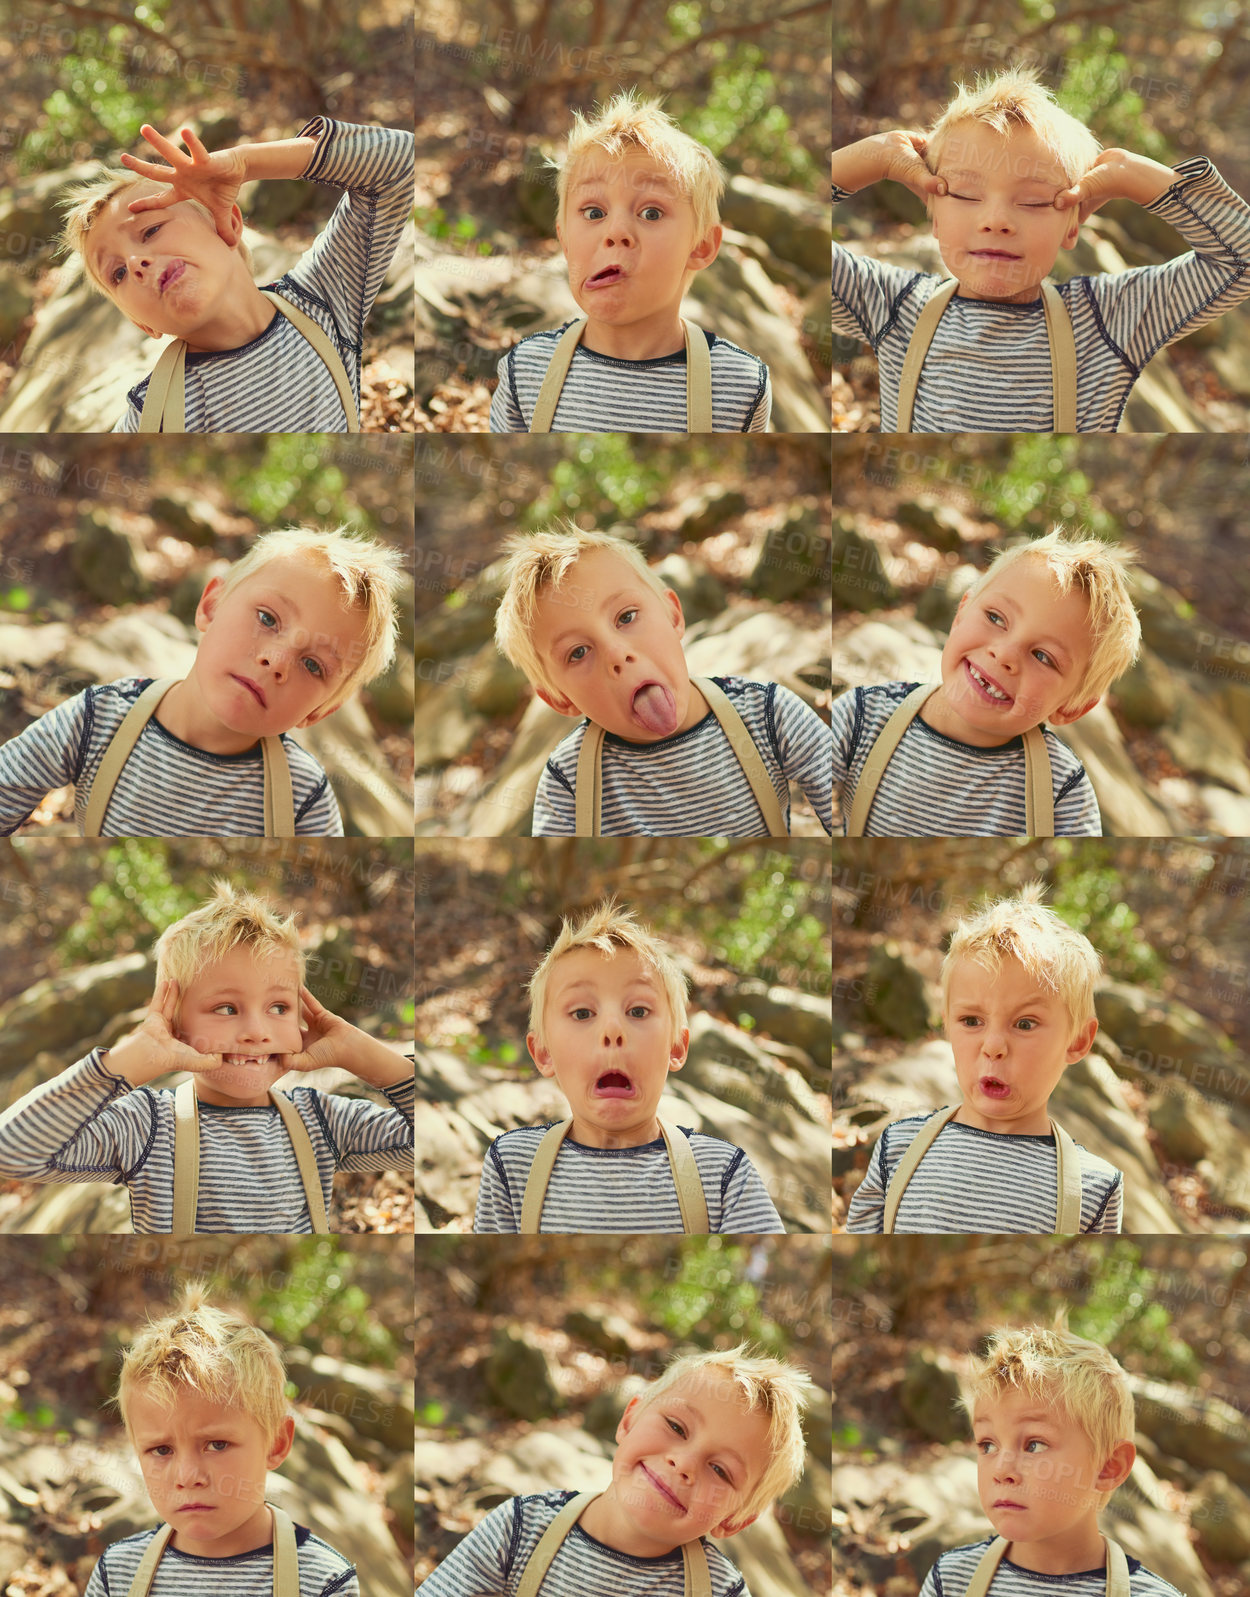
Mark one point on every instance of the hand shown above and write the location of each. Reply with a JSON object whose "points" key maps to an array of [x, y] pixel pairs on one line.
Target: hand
{"points": [[1116, 174], [325, 1038], [214, 180], [904, 162], [153, 1049]]}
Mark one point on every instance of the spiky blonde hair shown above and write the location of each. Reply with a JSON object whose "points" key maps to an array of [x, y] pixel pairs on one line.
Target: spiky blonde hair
{"points": [[628, 124], [211, 1352], [608, 929], [1013, 99], [759, 1382], [368, 575], [232, 918], [1098, 571], [540, 563], [1056, 955]]}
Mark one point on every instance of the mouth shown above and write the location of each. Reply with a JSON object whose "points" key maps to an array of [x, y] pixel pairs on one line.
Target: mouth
{"points": [[196, 1508], [614, 1084], [171, 274], [663, 1490], [605, 277], [994, 255], [254, 688], [986, 686], [1003, 1503], [654, 707], [247, 1059], [994, 1087]]}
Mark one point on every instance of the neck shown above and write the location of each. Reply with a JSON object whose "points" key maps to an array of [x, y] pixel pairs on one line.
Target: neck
{"points": [[937, 713], [1026, 296], [183, 712], [1078, 1549], [255, 1531], [238, 322], [1033, 1123], [635, 1136], [606, 1520], [656, 335]]}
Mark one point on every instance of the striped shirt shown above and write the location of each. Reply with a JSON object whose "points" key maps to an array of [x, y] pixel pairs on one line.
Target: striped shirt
{"points": [[621, 1189], [950, 1576], [491, 1559], [278, 382], [981, 1182], [167, 788], [935, 786], [604, 395], [322, 1571], [988, 367], [691, 784], [89, 1125]]}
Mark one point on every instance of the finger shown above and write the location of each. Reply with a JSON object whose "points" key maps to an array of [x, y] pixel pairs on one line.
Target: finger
{"points": [[1067, 198], [167, 147], [152, 169], [154, 202], [310, 1003], [169, 1001], [191, 139]]}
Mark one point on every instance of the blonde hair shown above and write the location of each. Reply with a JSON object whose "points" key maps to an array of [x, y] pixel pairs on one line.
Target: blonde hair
{"points": [[1053, 953], [540, 563], [608, 929], [369, 575], [1098, 571], [232, 918], [84, 202], [1056, 1367], [1014, 99], [209, 1351], [779, 1389], [628, 124]]}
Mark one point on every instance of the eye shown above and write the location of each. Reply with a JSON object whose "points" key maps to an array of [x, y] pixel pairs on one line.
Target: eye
{"points": [[314, 667], [626, 617], [218, 1446], [593, 213], [116, 275], [639, 1011], [579, 653], [969, 1021], [723, 1473], [970, 197], [281, 1007], [161, 1450], [1034, 1441], [995, 618], [582, 1012], [267, 618], [1027, 1024], [676, 1425], [1040, 654], [224, 1009], [652, 213], [985, 1445]]}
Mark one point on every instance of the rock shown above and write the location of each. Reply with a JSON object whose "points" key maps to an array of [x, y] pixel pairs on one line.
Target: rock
{"points": [[793, 558], [1220, 1513], [393, 695], [376, 1403], [933, 522], [30, 212], [1183, 1123], [1129, 806], [1204, 743], [939, 602], [897, 996], [442, 737], [603, 1412], [724, 1062], [859, 579], [604, 1330], [707, 510], [220, 130], [505, 807], [267, 206], [1170, 627], [1202, 1430], [929, 1396], [187, 516], [1162, 1037], [804, 1019], [138, 642], [17, 300], [459, 627], [1229, 812], [795, 225], [877, 651], [400, 1486], [103, 558], [1146, 693], [61, 1010], [347, 746], [520, 1377], [494, 686], [700, 591]]}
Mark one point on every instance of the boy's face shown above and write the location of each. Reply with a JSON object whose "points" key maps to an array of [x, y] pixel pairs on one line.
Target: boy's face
{"points": [[997, 226], [1015, 656], [245, 1008], [204, 1468], [1012, 1042], [275, 650], [607, 1044], [629, 239], [1039, 1480], [686, 1462], [611, 647]]}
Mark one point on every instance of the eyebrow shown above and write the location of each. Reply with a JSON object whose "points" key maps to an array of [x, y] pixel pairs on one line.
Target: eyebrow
{"points": [[584, 983], [233, 992], [658, 181], [972, 172]]}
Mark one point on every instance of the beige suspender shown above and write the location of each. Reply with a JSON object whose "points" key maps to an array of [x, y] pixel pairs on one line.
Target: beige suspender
{"points": [[690, 1198], [285, 1558], [164, 404], [187, 1159], [279, 801], [695, 1574], [1062, 355], [983, 1574], [698, 379], [588, 783], [1067, 1173], [1039, 796]]}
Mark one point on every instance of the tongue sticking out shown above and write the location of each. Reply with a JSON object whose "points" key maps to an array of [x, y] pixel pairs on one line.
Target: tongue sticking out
{"points": [[656, 708]]}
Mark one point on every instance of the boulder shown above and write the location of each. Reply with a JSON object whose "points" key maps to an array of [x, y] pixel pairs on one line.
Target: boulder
{"points": [[1129, 805], [104, 559], [61, 1011], [1205, 743], [188, 516], [1200, 1429], [1184, 1123], [17, 300], [601, 1328], [859, 578], [699, 590], [938, 604], [375, 1402], [1146, 693], [897, 996], [894, 651], [1220, 1513], [929, 1396], [792, 558], [803, 1019], [933, 522], [795, 225], [520, 1377], [709, 508], [1161, 1037]]}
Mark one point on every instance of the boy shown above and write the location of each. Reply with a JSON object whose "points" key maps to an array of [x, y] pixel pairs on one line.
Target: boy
{"points": [[639, 202], [1018, 1009], [1008, 177], [702, 1452], [224, 1153], [165, 244], [288, 635], [1038, 637], [202, 1397], [608, 1024], [659, 753], [1052, 1417]]}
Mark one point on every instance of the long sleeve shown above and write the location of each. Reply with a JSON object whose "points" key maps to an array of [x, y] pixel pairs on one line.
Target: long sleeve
{"points": [[72, 1129], [747, 1208], [364, 1135], [865, 1215], [42, 757], [495, 1213], [805, 745]]}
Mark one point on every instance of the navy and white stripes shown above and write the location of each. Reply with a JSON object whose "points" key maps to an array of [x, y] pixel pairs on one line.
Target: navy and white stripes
{"points": [[167, 788], [978, 1182], [988, 367], [492, 1558], [89, 1125], [691, 784], [935, 786], [605, 395], [278, 382], [322, 1571], [621, 1189], [950, 1576]]}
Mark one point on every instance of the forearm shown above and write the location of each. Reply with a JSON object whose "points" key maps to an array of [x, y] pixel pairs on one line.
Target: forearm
{"points": [[281, 158], [373, 1062], [135, 1060], [857, 165], [1144, 180]]}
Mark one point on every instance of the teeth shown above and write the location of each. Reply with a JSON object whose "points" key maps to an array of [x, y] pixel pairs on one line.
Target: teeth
{"points": [[989, 687]]}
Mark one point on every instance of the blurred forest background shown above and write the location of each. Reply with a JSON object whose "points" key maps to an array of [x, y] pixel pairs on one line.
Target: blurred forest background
{"points": [[77, 972], [747, 922], [340, 1311], [1164, 78], [528, 1356], [738, 529], [497, 85], [1166, 750], [106, 545], [910, 1315], [78, 82], [1164, 1092]]}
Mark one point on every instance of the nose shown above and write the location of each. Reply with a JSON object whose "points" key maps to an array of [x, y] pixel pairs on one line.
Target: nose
{"points": [[253, 1028], [189, 1469], [619, 653], [273, 657], [994, 1043], [1006, 1467], [613, 1033], [678, 1459], [619, 231]]}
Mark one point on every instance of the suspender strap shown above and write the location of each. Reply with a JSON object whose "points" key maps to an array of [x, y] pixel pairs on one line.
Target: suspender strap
{"points": [[285, 1558], [164, 404], [696, 1577], [916, 1150], [1039, 796], [279, 800], [187, 1159], [119, 751], [983, 1574], [588, 782], [681, 1162], [698, 378], [921, 338]]}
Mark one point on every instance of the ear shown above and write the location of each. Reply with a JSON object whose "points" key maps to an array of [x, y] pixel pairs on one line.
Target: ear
{"points": [[314, 716], [1066, 717], [706, 250], [207, 607], [1117, 1468], [560, 233], [557, 701], [540, 1054], [678, 1049], [1082, 1042], [676, 615], [731, 1527], [1074, 228], [231, 230], [281, 1444], [627, 1419]]}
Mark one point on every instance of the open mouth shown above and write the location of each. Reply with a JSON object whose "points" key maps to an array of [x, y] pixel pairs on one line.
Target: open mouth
{"points": [[171, 274], [605, 277], [993, 1087], [614, 1084], [254, 688], [655, 708], [988, 687], [246, 1059]]}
